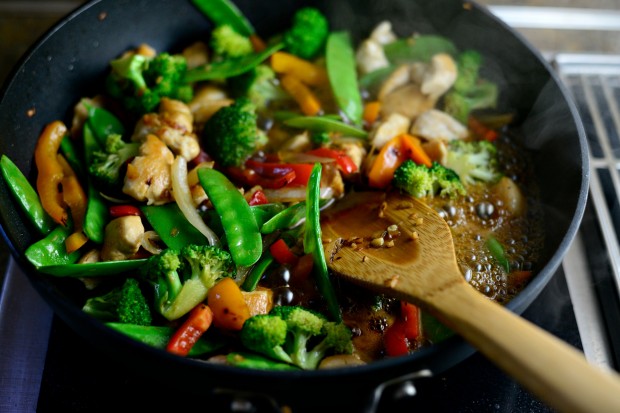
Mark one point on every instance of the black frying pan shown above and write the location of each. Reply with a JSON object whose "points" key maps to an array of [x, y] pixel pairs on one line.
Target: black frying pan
{"points": [[70, 61]]}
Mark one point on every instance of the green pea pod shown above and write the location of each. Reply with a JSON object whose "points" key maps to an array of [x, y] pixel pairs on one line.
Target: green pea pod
{"points": [[497, 251], [97, 215], [172, 226], [51, 250], [223, 12], [342, 73], [256, 273], [242, 234], [288, 218], [266, 212], [92, 269], [103, 123], [71, 155], [26, 196], [418, 49], [255, 361], [325, 124], [313, 243], [230, 67], [158, 337]]}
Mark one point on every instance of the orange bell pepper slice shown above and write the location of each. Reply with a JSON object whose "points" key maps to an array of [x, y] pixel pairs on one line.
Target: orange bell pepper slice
{"points": [[75, 199], [230, 309], [50, 171], [195, 325]]}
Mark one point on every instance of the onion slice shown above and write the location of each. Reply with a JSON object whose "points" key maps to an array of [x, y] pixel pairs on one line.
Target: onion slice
{"points": [[149, 242], [183, 198]]}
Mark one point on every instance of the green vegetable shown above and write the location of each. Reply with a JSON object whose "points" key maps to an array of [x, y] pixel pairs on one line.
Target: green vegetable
{"points": [[124, 303], [256, 273], [259, 85], [26, 196], [325, 124], [227, 43], [242, 233], [342, 73], [158, 337], [497, 251], [417, 49], [225, 12], [254, 361], [139, 82], [473, 161], [224, 69], [182, 278], [288, 218], [51, 250], [71, 155], [307, 34], [102, 123], [421, 181], [469, 92], [295, 335], [107, 166], [313, 243], [171, 225], [96, 216], [92, 269], [231, 135]]}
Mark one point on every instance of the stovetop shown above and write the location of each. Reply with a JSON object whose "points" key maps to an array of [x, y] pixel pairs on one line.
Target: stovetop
{"points": [[45, 366]]}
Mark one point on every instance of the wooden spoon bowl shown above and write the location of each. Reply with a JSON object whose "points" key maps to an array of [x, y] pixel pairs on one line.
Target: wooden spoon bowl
{"points": [[421, 268]]}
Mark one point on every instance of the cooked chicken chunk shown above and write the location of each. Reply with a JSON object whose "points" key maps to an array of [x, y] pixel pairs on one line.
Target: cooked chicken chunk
{"points": [[370, 56], [173, 125], [122, 238], [148, 175], [383, 33], [395, 124], [437, 125], [208, 100], [437, 77]]}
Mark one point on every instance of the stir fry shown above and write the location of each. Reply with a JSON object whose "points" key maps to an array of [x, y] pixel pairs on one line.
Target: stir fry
{"points": [[185, 200]]}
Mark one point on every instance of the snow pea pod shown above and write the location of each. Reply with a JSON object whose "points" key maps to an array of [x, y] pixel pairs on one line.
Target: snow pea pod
{"points": [[26, 196], [103, 123], [239, 224], [51, 250], [418, 49], [172, 226], [92, 269], [230, 67], [288, 218], [159, 336], [342, 73], [97, 215], [313, 243], [223, 12], [71, 155], [325, 124]]}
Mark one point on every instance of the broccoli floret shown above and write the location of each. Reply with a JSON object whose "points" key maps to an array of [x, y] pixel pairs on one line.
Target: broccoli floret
{"points": [[307, 34], [420, 181], [469, 92], [124, 304], [259, 85], [266, 334], [474, 161], [231, 135], [182, 278], [227, 43], [139, 82], [107, 167], [296, 335]]}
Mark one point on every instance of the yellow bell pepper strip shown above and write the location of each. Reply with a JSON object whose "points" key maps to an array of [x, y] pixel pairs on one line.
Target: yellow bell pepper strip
{"points": [[307, 72], [371, 113], [342, 72], [313, 244], [26, 196], [51, 250], [159, 336], [50, 173], [75, 198], [305, 98], [195, 325], [230, 309], [239, 224]]}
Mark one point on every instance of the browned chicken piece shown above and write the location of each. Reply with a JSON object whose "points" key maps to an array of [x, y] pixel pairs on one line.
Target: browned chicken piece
{"points": [[148, 175], [122, 238], [434, 125], [173, 124], [196, 54], [391, 126], [208, 100]]}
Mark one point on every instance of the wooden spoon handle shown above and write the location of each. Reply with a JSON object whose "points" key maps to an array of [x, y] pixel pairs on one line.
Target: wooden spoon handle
{"points": [[551, 369]]}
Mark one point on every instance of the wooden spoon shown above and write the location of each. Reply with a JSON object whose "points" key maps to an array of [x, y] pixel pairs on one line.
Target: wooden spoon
{"points": [[422, 269]]}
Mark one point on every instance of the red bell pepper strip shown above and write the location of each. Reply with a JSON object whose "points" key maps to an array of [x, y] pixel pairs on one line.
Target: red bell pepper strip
{"points": [[395, 340], [344, 162], [117, 211], [276, 169], [250, 177], [282, 253], [410, 315], [196, 324], [258, 198]]}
